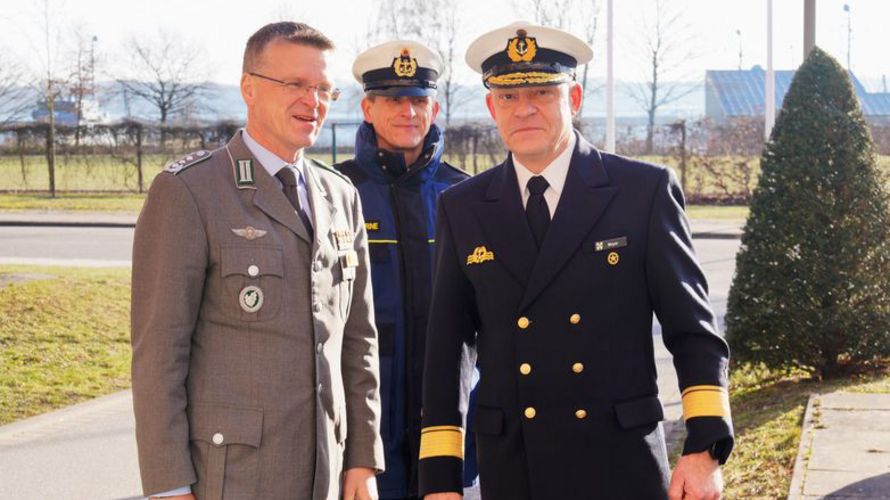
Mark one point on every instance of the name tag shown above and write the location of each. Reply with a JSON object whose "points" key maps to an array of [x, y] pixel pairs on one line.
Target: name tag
{"points": [[611, 244]]}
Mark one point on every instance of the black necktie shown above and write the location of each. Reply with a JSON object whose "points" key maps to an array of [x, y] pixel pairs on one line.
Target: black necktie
{"points": [[536, 210], [287, 177]]}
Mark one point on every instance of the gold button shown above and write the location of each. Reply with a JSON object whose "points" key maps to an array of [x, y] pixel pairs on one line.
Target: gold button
{"points": [[575, 319], [580, 414], [577, 368], [530, 412], [525, 368], [523, 322]]}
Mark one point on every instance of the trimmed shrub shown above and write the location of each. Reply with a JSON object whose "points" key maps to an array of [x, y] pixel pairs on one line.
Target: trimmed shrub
{"points": [[812, 284]]}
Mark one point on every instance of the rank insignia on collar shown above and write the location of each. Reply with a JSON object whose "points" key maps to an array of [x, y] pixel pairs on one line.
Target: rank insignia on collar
{"points": [[480, 255], [522, 48], [249, 232], [244, 173], [404, 66], [599, 246]]}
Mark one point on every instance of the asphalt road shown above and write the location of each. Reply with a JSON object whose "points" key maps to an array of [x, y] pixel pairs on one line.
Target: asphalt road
{"points": [[92, 246], [88, 451]]}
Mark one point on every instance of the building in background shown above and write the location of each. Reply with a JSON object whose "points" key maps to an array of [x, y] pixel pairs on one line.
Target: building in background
{"points": [[733, 94]]}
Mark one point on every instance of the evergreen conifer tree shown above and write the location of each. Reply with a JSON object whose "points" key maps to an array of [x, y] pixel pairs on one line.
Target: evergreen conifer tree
{"points": [[812, 284]]}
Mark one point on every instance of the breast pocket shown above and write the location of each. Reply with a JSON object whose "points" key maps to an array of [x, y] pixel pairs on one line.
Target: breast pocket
{"points": [[254, 281]]}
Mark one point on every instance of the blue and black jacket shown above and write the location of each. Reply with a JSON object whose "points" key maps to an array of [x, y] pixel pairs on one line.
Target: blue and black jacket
{"points": [[399, 205]]}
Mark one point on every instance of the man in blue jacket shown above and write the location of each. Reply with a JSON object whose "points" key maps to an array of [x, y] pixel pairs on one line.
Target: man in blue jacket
{"points": [[399, 173]]}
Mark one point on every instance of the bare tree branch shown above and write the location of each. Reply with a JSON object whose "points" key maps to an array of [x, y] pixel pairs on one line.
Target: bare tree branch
{"points": [[166, 75], [436, 23], [576, 16], [663, 39]]}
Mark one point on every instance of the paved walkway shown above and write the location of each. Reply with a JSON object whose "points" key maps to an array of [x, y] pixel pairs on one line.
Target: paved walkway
{"points": [[844, 448], [88, 451], [85, 451]]}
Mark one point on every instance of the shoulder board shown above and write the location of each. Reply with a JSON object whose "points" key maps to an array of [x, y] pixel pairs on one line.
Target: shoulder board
{"points": [[192, 159], [458, 170], [320, 164]]}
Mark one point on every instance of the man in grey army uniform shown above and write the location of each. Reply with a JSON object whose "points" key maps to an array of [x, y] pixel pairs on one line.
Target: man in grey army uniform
{"points": [[255, 371]]}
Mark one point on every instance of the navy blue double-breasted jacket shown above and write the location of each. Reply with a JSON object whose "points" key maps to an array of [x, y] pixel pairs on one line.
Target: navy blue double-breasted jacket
{"points": [[568, 403]]}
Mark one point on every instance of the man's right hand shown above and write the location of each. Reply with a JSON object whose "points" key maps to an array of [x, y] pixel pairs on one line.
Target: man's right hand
{"points": [[443, 496], [177, 497]]}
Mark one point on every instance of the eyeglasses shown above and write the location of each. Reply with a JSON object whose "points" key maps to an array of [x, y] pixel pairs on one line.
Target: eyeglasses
{"points": [[323, 92], [537, 96]]}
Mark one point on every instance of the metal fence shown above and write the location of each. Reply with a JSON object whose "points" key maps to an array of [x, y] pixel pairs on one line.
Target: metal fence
{"points": [[717, 162]]}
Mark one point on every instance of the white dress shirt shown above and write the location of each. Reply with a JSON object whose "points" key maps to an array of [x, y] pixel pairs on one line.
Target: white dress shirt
{"points": [[272, 163], [555, 173]]}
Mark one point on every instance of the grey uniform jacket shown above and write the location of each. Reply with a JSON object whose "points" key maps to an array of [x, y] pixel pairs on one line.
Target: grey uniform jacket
{"points": [[255, 371]]}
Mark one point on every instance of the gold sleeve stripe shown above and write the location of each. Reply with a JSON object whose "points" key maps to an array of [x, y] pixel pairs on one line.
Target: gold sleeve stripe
{"points": [[705, 401], [442, 441], [390, 242]]}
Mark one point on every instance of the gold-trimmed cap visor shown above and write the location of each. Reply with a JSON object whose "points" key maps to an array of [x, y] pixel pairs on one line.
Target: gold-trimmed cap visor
{"points": [[527, 75]]}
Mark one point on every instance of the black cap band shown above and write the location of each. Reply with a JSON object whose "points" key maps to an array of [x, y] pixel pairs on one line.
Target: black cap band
{"points": [[386, 77], [503, 64]]}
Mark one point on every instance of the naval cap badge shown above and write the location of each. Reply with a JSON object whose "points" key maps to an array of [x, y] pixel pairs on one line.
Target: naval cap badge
{"points": [[522, 48], [405, 66]]}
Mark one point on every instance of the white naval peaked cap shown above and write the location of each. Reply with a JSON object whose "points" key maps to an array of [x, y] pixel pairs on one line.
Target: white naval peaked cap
{"points": [[398, 68], [524, 54]]}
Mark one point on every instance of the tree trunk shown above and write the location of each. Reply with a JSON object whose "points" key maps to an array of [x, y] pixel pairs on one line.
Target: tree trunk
{"points": [[20, 144], [139, 157], [51, 141], [830, 367]]}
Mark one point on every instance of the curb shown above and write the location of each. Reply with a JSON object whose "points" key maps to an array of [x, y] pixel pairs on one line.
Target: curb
{"points": [[798, 477], [22, 223]]}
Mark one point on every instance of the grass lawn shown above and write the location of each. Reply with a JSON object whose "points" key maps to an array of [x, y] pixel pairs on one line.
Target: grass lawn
{"points": [[106, 202], [718, 212], [768, 409], [64, 337]]}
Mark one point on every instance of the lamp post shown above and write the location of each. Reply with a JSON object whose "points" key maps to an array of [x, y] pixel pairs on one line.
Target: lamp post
{"points": [[849, 35], [769, 110], [809, 27], [738, 32], [610, 81]]}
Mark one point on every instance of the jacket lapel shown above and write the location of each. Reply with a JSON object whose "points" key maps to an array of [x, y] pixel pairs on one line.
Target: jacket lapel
{"points": [[503, 221], [584, 198], [267, 195], [319, 200]]}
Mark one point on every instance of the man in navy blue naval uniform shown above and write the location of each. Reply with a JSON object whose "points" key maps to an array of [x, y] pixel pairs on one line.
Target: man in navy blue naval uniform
{"points": [[399, 173], [558, 258]]}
